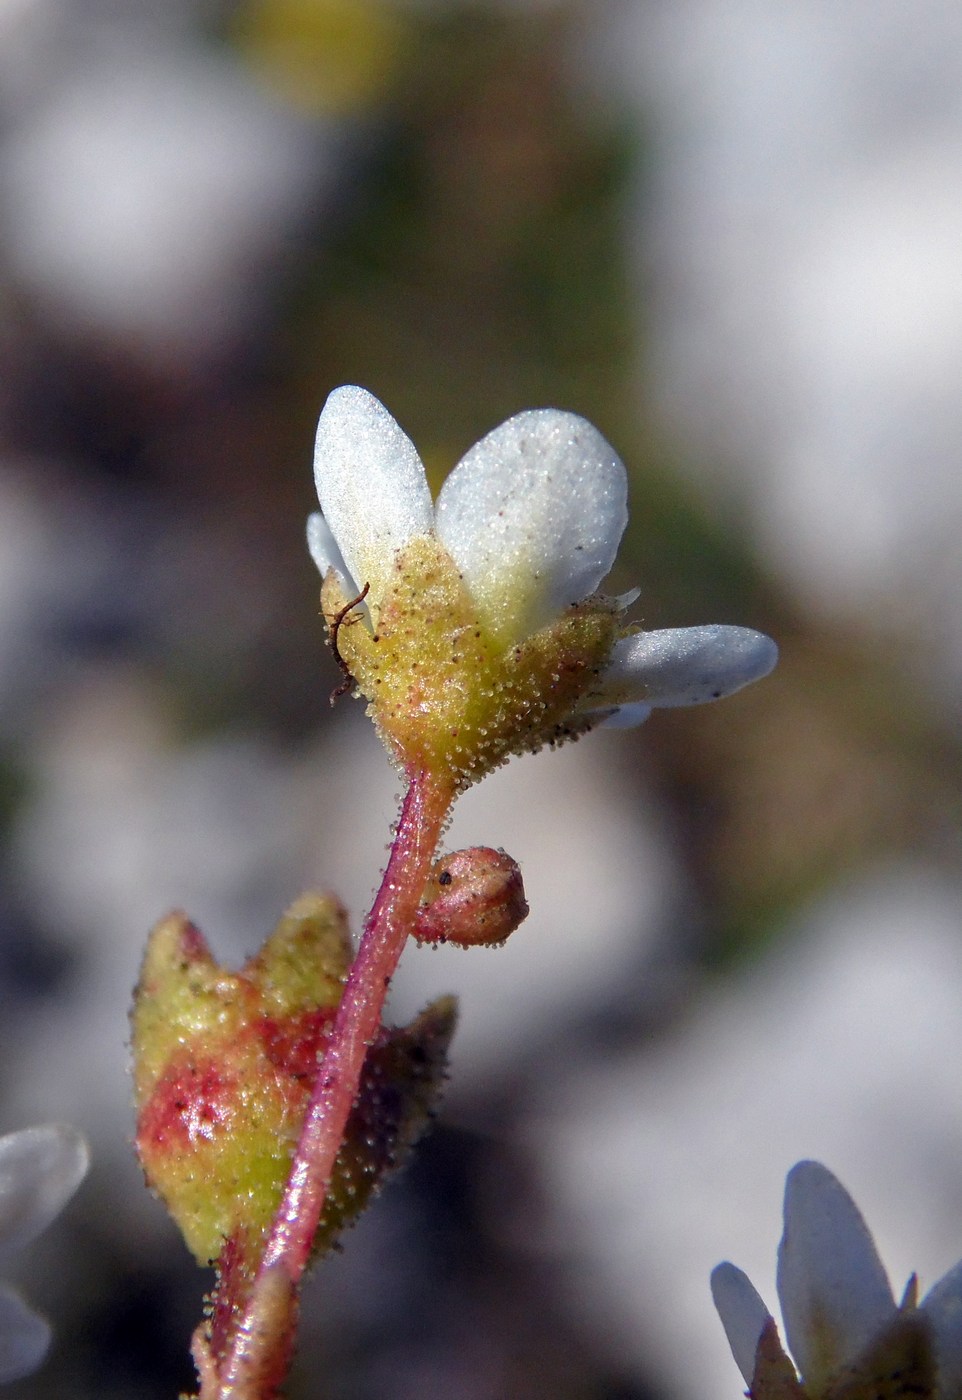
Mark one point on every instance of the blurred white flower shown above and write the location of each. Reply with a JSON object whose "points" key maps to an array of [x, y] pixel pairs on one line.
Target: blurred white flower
{"points": [[835, 1041], [532, 517], [40, 1168], [841, 1319]]}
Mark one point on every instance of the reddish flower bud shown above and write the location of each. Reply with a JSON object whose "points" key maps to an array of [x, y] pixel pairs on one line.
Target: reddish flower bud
{"points": [[475, 896], [224, 1064]]}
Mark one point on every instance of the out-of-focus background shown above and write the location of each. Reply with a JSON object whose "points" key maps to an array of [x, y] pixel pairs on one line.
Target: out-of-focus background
{"points": [[730, 233]]}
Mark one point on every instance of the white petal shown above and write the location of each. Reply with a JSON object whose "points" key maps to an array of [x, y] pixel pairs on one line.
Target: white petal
{"points": [[370, 483], [533, 516], [627, 716], [24, 1337], [834, 1292], [40, 1169], [742, 1312], [943, 1307], [688, 665], [323, 549], [623, 601]]}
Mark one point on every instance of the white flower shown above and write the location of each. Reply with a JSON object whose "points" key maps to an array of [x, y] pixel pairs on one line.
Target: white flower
{"points": [[532, 517], [40, 1168], [842, 1324]]}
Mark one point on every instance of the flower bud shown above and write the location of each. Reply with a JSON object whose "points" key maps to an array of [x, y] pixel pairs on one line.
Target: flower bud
{"points": [[224, 1065], [475, 896]]}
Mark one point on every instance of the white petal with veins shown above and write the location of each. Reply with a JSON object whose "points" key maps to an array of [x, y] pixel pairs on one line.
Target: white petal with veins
{"points": [[24, 1337], [40, 1169], [533, 515], [834, 1292], [370, 483], [688, 665], [742, 1312], [943, 1307], [324, 551]]}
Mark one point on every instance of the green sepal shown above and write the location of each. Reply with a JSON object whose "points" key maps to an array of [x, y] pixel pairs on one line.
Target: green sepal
{"points": [[775, 1377], [224, 1064], [402, 1080], [900, 1364], [448, 694]]}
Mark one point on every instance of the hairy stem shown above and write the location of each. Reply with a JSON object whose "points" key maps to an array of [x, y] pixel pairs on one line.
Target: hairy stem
{"points": [[358, 1020]]}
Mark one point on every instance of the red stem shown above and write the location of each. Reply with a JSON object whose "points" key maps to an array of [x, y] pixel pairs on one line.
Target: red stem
{"points": [[356, 1025]]}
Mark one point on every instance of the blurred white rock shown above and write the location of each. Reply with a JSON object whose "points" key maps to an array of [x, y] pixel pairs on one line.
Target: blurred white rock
{"points": [[29, 542], [28, 34], [843, 1045], [150, 194], [127, 823], [799, 245]]}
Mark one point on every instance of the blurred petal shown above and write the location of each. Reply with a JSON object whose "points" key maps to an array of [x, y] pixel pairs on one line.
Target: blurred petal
{"points": [[533, 516], [742, 1312], [688, 665], [40, 1169], [323, 548], [943, 1308], [24, 1337], [834, 1292], [370, 482]]}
